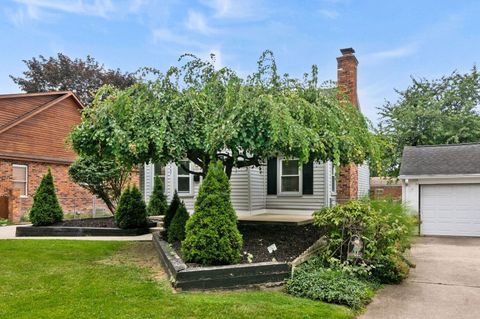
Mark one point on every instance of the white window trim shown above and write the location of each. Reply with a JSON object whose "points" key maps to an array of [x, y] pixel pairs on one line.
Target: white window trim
{"points": [[279, 179], [26, 178], [190, 180], [164, 177], [333, 180]]}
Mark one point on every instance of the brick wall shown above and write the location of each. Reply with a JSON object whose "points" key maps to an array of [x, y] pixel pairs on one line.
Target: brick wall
{"points": [[347, 185], [379, 192], [72, 197]]}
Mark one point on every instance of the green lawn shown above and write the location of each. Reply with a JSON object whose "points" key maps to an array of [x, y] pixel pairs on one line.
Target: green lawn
{"points": [[87, 279]]}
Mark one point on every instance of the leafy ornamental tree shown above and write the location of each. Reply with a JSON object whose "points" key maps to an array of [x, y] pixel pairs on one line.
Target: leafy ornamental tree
{"points": [[440, 111], [131, 211], [83, 77], [45, 209], [175, 203], [176, 230], [104, 178], [211, 235], [196, 112], [158, 201]]}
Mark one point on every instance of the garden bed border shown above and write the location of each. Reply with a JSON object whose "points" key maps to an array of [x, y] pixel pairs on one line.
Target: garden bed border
{"points": [[69, 231], [218, 277]]}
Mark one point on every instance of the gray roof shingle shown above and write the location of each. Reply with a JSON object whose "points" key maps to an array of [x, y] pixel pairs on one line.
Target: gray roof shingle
{"points": [[441, 159]]}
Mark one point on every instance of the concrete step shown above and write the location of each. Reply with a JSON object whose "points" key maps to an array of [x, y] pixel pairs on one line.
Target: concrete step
{"points": [[157, 217], [156, 229]]}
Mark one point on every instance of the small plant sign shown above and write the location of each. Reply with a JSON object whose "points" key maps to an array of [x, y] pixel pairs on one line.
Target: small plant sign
{"points": [[272, 248]]}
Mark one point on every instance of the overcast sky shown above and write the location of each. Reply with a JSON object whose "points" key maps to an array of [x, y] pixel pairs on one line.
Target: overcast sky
{"points": [[393, 39]]}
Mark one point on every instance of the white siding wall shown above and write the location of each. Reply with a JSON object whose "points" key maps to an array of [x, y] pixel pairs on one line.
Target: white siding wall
{"points": [[330, 191], [258, 188], [363, 180], [239, 189], [308, 203]]}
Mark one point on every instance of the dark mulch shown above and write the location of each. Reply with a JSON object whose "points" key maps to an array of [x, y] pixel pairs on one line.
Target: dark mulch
{"points": [[104, 222], [291, 241]]}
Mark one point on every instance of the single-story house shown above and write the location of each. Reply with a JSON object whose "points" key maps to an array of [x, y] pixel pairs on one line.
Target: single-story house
{"points": [[385, 187], [33, 132], [442, 184], [281, 186]]}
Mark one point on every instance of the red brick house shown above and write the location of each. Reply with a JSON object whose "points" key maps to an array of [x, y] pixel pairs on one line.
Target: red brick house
{"points": [[33, 132]]}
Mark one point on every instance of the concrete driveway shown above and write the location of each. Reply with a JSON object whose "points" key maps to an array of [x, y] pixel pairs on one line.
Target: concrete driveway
{"points": [[445, 283]]}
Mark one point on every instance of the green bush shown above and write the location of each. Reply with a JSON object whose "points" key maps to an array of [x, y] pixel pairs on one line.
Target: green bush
{"points": [[172, 209], [176, 230], [45, 209], [385, 228], [131, 211], [329, 285], [158, 201], [212, 236]]}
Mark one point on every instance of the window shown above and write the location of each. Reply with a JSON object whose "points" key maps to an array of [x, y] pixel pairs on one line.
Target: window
{"points": [[159, 170], [20, 176], [334, 179], [290, 173], [183, 178]]}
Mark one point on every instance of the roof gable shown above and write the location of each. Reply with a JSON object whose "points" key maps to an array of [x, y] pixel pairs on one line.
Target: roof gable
{"points": [[16, 108], [454, 159]]}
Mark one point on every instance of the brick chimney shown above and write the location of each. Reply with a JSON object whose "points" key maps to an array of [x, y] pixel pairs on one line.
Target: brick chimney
{"points": [[347, 185]]}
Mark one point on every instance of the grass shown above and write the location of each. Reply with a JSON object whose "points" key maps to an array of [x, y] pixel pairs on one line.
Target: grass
{"points": [[93, 279]]}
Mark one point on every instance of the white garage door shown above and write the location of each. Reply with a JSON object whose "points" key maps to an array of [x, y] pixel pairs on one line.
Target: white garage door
{"points": [[450, 209]]}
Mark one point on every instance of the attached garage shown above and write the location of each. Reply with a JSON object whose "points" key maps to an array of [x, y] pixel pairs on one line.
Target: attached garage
{"points": [[441, 184]]}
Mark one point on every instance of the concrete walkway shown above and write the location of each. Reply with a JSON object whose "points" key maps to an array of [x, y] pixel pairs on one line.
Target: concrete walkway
{"points": [[8, 232], [445, 283]]}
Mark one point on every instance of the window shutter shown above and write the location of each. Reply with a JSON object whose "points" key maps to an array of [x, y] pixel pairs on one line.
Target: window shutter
{"points": [[307, 176], [141, 173], [272, 176]]}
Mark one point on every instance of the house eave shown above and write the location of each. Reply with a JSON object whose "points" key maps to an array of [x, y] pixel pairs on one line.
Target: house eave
{"points": [[438, 176]]}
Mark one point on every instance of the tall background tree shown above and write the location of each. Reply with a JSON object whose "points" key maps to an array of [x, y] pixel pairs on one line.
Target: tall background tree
{"points": [[439, 111], [197, 112], [83, 77]]}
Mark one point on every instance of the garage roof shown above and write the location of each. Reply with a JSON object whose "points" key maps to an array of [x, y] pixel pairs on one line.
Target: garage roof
{"points": [[450, 159]]}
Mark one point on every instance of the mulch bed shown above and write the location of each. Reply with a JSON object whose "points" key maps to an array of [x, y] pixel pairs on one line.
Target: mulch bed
{"points": [[291, 241], [104, 222]]}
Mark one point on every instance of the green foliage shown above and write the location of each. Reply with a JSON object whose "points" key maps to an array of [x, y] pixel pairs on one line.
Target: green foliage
{"points": [[440, 111], [334, 286], [104, 178], [197, 112], [175, 203], [46, 209], [4, 222], [212, 236], [158, 201], [176, 230], [385, 228], [131, 211]]}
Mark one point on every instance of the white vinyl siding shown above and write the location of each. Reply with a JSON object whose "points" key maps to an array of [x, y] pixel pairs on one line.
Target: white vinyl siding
{"points": [[363, 180]]}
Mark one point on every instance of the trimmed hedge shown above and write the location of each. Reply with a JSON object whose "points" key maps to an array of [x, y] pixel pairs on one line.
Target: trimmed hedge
{"points": [[158, 201], [172, 209], [131, 211], [46, 209], [212, 236], [176, 230]]}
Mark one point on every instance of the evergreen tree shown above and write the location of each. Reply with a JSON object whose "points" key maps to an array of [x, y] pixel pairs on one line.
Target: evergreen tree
{"points": [[158, 201], [131, 211], [212, 236], [46, 209], [176, 230], [172, 209]]}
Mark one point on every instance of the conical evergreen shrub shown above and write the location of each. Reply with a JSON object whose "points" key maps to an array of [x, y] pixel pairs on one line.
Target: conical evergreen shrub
{"points": [[211, 234], [158, 201], [176, 230], [172, 209], [131, 211], [46, 209]]}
